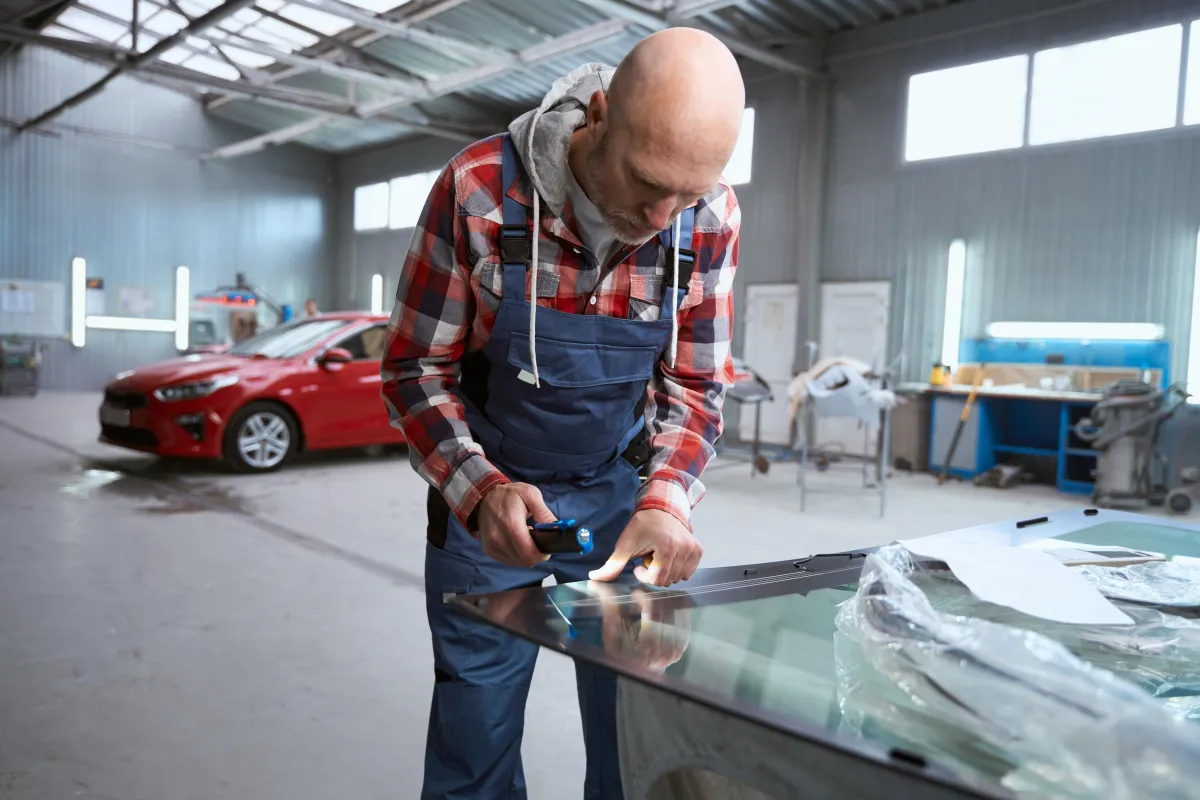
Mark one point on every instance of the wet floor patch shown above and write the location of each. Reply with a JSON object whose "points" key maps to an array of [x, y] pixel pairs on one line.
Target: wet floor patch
{"points": [[154, 490]]}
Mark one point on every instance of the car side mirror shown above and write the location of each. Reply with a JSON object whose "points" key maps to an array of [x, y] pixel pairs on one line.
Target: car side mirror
{"points": [[335, 355]]}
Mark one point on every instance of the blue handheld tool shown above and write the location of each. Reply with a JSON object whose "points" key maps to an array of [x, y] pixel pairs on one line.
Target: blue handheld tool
{"points": [[561, 536]]}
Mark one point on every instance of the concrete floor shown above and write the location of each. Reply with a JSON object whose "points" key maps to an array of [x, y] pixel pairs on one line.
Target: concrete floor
{"points": [[173, 631]]}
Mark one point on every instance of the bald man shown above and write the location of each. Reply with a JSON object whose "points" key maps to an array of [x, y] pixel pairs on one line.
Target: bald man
{"points": [[559, 350]]}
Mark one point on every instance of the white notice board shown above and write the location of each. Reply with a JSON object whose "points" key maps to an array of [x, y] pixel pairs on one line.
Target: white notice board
{"points": [[33, 308]]}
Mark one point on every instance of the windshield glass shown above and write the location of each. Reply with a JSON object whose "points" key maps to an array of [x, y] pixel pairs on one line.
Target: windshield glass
{"points": [[288, 341]]}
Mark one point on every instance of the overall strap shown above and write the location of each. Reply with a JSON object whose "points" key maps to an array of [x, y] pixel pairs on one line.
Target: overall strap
{"points": [[514, 229], [687, 261]]}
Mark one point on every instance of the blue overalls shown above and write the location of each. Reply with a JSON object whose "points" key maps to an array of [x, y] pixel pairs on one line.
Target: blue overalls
{"points": [[571, 437]]}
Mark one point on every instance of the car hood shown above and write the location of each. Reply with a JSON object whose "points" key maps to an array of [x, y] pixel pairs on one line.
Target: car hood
{"points": [[189, 368]]}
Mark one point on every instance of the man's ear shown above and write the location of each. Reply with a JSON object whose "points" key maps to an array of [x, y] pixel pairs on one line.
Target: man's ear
{"points": [[597, 113]]}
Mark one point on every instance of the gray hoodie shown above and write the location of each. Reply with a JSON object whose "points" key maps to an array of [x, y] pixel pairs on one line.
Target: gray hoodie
{"points": [[563, 109]]}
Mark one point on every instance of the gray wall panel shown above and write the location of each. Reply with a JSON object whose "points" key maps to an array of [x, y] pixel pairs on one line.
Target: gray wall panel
{"points": [[1093, 231], [135, 212]]}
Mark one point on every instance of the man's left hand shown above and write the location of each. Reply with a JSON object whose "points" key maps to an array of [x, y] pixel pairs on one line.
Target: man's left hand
{"points": [[670, 553]]}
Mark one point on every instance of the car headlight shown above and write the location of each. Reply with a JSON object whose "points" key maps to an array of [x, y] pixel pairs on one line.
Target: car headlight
{"points": [[195, 389]]}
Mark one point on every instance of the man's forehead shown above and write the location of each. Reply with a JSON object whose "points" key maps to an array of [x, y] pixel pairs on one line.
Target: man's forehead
{"points": [[674, 174]]}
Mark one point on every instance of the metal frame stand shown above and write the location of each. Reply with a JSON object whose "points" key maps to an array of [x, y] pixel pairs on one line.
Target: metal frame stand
{"points": [[880, 460]]}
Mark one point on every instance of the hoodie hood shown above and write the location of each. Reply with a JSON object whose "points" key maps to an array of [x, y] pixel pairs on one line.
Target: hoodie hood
{"points": [[542, 136]]}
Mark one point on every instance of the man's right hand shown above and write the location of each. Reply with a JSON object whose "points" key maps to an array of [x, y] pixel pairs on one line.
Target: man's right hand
{"points": [[503, 516]]}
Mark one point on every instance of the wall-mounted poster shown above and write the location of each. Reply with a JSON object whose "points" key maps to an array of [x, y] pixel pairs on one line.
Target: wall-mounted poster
{"points": [[135, 301], [95, 297]]}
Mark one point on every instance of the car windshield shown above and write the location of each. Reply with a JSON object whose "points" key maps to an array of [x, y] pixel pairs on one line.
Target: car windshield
{"points": [[288, 341]]}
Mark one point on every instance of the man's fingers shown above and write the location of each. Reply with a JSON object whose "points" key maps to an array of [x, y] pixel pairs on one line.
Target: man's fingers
{"points": [[534, 503], [615, 565], [691, 563]]}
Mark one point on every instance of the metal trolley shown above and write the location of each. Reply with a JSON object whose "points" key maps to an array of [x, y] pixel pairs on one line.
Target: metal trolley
{"points": [[810, 456]]}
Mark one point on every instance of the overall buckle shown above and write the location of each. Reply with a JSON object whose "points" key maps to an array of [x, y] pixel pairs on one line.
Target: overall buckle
{"points": [[514, 245], [687, 262]]}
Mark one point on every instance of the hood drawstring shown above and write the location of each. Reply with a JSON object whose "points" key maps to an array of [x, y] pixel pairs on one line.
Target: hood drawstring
{"points": [[533, 281], [534, 266], [675, 292]]}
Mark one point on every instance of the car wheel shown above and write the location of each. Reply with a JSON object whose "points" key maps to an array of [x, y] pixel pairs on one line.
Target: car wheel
{"points": [[260, 438]]}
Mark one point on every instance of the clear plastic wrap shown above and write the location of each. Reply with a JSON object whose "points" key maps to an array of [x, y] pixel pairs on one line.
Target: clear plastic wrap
{"points": [[998, 702], [1160, 583], [1160, 652]]}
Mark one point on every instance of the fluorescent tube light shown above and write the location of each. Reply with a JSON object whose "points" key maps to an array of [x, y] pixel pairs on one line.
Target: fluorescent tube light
{"points": [[132, 324], [377, 294], [183, 283], [1193, 365], [78, 302], [956, 275], [1137, 331]]}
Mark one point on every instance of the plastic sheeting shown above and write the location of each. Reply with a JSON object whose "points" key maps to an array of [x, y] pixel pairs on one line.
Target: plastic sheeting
{"points": [[1160, 583], [920, 662]]}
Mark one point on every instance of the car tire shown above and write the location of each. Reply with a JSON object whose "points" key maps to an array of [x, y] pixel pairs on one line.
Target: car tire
{"points": [[260, 437]]}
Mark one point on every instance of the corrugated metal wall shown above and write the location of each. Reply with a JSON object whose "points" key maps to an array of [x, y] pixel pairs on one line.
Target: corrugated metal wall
{"points": [[1094, 231], [136, 212]]}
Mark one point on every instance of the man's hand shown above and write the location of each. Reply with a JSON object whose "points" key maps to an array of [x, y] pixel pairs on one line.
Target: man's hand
{"points": [[670, 553], [503, 523]]}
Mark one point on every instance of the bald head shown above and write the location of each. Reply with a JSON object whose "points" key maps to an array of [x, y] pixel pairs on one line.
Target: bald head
{"points": [[680, 89], [660, 137]]}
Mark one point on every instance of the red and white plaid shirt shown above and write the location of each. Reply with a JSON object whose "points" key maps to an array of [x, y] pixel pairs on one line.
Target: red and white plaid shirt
{"points": [[446, 302]]}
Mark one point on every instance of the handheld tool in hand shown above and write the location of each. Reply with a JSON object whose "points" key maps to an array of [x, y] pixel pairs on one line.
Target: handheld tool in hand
{"points": [[561, 536], [962, 423]]}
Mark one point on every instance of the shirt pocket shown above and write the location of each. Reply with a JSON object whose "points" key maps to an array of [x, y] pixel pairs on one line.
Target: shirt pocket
{"points": [[646, 295], [491, 280]]}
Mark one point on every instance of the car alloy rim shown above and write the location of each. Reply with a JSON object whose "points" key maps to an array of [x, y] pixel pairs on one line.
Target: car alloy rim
{"points": [[264, 440]]}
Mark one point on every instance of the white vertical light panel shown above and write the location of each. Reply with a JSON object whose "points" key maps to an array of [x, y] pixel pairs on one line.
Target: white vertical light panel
{"points": [[183, 290], [1193, 367], [78, 302], [376, 294], [956, 273]]}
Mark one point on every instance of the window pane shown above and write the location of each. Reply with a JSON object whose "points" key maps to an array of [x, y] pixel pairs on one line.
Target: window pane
{"points": [[1108, 87], [973, 109], [408, 198], [371, 207], [738, 169], [1191, 104]]}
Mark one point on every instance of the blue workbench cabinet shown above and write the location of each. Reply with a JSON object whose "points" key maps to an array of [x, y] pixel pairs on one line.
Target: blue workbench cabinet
{"points": [[1003, 429]]}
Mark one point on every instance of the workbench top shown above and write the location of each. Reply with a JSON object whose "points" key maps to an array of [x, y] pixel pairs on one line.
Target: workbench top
{"points": [[1014, 392]]}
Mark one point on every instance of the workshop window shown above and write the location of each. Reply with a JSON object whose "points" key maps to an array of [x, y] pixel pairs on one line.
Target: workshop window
{"points": [[371, 207], [977, 108], [1123, 84], [1191, 101], [737, 171], [409, 194]]}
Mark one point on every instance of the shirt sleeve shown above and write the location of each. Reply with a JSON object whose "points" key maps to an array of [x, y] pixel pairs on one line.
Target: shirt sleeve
{"points": [[683, 408], [427, 335]]}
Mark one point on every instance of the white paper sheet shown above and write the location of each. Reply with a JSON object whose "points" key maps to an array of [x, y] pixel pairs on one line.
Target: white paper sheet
{"points": [[1022, 578]]}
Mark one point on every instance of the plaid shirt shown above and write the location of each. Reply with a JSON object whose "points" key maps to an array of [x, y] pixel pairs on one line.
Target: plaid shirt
{"points": [[449, 293]]}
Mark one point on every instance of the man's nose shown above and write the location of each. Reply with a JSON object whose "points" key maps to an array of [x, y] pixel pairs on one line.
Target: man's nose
{"points": [[659, 213]]}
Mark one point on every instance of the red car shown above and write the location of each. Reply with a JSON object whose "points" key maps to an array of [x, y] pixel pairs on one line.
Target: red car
{"points": [[312, 384]]}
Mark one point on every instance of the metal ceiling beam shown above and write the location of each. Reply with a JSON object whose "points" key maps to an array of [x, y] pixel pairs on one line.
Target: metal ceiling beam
{"points": [[139, 60], [352, 54], [656, 22], [817, 12], [412, 12], [32, 11], [240, 42], [472, 51], [179, 78], [455, 82], [113, 56], [694, 8]]}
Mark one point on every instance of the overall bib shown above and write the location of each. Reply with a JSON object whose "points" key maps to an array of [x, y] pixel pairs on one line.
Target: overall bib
{"points": [[580, 439]]}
